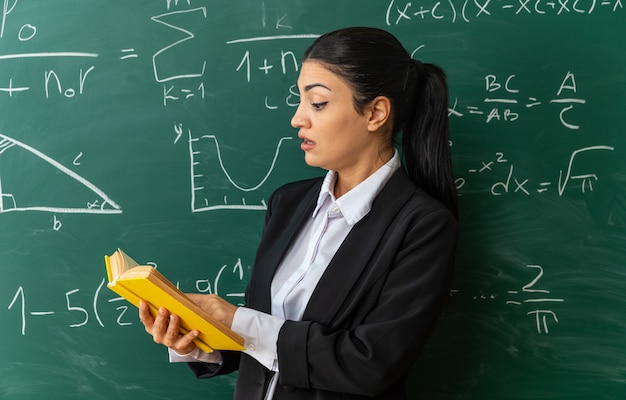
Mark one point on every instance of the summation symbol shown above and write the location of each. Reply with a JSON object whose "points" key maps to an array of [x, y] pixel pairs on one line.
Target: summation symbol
{"points": [[187, 35]]}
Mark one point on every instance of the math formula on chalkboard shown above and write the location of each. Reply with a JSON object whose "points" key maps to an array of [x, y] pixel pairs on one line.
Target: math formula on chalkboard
{"points": [[163, 127]]}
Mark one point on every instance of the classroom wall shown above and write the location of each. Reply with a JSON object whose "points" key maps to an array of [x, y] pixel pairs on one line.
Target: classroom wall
{"points": [[162, 128]]}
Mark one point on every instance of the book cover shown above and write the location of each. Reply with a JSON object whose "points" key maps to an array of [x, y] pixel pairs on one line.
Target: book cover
{"points": [[136, 282]]}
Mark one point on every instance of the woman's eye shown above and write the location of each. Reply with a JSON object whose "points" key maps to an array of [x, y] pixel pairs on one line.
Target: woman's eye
{"points": [[319, 106]]}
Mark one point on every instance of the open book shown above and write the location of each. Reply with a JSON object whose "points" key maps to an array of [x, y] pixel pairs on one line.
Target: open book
{"points": [[136, 282]]}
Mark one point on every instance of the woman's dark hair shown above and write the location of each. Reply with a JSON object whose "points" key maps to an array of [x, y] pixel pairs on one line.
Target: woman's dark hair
{"points": [[374, 63]]}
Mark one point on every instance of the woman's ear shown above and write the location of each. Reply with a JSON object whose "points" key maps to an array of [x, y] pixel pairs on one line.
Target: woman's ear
{"points": [[379, 112]]}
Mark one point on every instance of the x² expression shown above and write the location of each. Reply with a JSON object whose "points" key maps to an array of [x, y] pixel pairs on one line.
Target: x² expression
{"points": [[514, 184]]}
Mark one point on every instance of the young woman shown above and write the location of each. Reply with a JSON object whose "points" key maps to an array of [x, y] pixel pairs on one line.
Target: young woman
{"points": [[352, 269]]}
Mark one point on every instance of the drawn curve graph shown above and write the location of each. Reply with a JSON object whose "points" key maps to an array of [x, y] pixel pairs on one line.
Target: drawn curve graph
{"points": [[100, 204], [213, 187]]}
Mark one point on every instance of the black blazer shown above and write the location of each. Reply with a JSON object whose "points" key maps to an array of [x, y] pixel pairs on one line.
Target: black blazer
{"points": [[371, 312]]}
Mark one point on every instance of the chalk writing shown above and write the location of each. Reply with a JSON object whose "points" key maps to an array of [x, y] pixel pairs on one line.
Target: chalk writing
{"points": [[173, 92], [61, 54], [50, 77], [103, 204], [502, 99], [287, 62], [399, 12], [25, 32], [282, 62], [291, 100], [208, 157], [530, 296], [198, 70], [128, 53], [81, 313], [181, 80], [51, 81], [512, 183], [541, 315]]}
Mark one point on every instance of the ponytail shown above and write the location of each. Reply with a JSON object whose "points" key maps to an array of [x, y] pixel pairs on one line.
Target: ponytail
{"points": [[425, 135], [374, 62]]}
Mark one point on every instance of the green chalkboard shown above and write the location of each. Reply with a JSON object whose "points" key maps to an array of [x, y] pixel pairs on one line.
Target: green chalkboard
{"points": [[162, 127]]}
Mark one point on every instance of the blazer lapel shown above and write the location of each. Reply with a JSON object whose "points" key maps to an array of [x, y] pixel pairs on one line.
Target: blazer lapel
{"points": [[274, 249], [354, 254]]}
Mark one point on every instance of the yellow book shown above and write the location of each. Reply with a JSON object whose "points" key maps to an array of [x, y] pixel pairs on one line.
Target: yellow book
{"points": [[136, 282]]}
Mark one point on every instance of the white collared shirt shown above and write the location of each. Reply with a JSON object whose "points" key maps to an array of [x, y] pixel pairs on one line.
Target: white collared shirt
{"points": [[303, 266]]}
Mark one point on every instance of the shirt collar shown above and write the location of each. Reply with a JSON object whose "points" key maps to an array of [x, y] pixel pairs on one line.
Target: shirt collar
{"points": [[355, 204]]}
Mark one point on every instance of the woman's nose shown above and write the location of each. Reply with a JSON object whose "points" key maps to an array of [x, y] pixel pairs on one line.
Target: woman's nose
{"points": [[298, 120]]}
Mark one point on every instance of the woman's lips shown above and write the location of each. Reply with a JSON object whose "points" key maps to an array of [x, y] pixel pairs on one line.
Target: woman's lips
{"points": [[307, 144]]}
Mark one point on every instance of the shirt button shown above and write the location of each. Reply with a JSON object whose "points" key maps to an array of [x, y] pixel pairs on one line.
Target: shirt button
{"points": [[251, 347]]}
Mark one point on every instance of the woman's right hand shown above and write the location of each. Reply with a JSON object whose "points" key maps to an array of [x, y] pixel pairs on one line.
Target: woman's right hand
{"points": [[165, 329]]}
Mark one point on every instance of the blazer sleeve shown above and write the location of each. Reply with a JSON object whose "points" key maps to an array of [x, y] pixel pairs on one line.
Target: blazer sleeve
{"points": [[230, 363], [391, 316]]}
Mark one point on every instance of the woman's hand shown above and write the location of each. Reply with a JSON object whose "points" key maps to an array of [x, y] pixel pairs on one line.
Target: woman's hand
{"points": [[165, 329], [217, 307]]}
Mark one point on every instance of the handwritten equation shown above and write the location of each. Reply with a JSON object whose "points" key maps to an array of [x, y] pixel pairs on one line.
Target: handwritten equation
{"points": [[399, 12], [509, 182], [182, 77], [54, 84], [82, 313], [502, 101], [532, 298], [52, 81]]}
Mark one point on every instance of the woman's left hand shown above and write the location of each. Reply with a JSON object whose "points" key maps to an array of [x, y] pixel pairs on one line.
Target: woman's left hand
{"points": [[217, 307]]}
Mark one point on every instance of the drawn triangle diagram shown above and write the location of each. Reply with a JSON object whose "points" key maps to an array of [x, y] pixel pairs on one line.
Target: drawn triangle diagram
{"points": [[32, 181]]}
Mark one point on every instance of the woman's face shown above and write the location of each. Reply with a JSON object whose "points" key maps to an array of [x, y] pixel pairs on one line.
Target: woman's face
{"points": [[334, 135]]}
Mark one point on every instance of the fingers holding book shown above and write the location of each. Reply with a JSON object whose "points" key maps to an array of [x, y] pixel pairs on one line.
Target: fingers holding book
{"points": [[218, 308], [165, 329]]}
